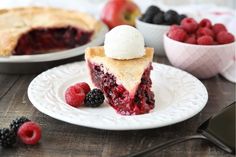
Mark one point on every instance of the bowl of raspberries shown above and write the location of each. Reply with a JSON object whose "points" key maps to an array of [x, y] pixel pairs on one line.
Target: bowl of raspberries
{"points": [[154, 23], [201, 48]]}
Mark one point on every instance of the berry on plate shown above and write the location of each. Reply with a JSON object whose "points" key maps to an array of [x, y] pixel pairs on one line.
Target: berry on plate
{"points": [[94, 98], [189, 25], [7, 137], [177, 34], [29, 133], [225, 37], [75, 96], [205, 40], [84, 86]]}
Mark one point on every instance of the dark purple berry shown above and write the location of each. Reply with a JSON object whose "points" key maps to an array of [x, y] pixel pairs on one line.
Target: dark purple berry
{"points": [[171, 17], [158, 18], [94, 98], [181, 17], [147, 18], [152, 10], [7, 137], [15, 124]]}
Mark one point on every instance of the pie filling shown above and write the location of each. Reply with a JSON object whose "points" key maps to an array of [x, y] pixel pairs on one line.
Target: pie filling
{"points": [[118, 97], [42, 40]]}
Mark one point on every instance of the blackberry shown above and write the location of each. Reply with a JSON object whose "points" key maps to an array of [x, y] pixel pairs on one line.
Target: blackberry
{"points": [[158, 18], [15, 124], [171, 17], [180, 18], [7, 137], [152, 10], [150, 13], [94, 98], [147, 18]]}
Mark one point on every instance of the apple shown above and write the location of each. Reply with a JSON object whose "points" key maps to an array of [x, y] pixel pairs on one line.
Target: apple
{"points": [[120, 12]]}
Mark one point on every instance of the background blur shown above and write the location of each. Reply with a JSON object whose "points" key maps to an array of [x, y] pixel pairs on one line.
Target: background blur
{"points": [[217, 10]]}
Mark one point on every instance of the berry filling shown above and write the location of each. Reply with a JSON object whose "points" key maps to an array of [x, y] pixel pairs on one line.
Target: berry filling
{"points": [[118, 97], [43, 40]]}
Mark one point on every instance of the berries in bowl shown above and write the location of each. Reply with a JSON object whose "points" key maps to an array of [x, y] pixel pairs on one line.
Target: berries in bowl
{"points": [[203, 49], [154, 23]]}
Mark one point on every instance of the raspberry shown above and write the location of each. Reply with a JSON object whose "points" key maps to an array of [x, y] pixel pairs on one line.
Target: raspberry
{"points": [[189, 24], [205, 31], [218, 27], [205, 40], [177, 34], [84, 86], [205, 23], [7, 137], [94, 98], [225, 37], [29, 133], [15, 124], [215, 43], [75, 96], [173, 27], [191, 40]]}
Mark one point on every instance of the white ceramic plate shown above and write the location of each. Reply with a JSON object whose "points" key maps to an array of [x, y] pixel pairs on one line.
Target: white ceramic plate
{"points": [[178, 96], [97, 39]]}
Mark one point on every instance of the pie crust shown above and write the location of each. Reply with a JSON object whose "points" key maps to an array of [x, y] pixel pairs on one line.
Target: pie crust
{"points": [[18, 21], [128, 72]]}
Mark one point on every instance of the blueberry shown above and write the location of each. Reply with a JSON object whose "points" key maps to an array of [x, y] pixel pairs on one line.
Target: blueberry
{"points": [[147, 18], [181, 17], [158, 18], [171, 17], [152, 10]]}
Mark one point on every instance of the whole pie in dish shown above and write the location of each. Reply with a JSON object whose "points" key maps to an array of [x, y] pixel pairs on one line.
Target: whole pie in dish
{"points": [[34, 30], [125, 83]]}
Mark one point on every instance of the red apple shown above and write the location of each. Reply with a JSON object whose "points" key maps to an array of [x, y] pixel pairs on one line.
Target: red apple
{"points": [[120, 12]]}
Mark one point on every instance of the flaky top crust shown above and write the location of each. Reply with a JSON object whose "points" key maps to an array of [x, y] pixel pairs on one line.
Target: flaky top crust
{"points": [[17, 21], [128, 72]]}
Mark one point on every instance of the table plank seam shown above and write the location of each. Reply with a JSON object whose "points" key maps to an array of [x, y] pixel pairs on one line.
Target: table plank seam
{"points": [[10, 87]]}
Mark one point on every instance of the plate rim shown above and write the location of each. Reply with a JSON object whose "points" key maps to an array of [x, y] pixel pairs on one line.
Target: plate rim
{"points": [[97, 39], [56, 116]]}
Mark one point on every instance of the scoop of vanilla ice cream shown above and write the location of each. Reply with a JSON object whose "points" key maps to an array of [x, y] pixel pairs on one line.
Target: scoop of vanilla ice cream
{"points": [[124, 42]]}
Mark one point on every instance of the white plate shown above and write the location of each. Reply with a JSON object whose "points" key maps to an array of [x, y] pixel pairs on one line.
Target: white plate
{"points": [[97, 39], [178, 96]]}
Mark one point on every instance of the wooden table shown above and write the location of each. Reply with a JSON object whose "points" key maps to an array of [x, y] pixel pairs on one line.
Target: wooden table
{"points": [[61, 139]]}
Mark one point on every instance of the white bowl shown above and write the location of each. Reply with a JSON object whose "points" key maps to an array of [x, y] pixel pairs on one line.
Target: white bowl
{"points": [[153, 35], [203, 61]]}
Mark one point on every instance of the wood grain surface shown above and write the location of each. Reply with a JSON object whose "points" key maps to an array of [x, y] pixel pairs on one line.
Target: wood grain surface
{"points": [[61, 139]]}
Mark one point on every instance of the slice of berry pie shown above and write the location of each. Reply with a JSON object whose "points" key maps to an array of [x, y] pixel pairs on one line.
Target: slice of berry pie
{"points": [[125, 83], [33, 30]]}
